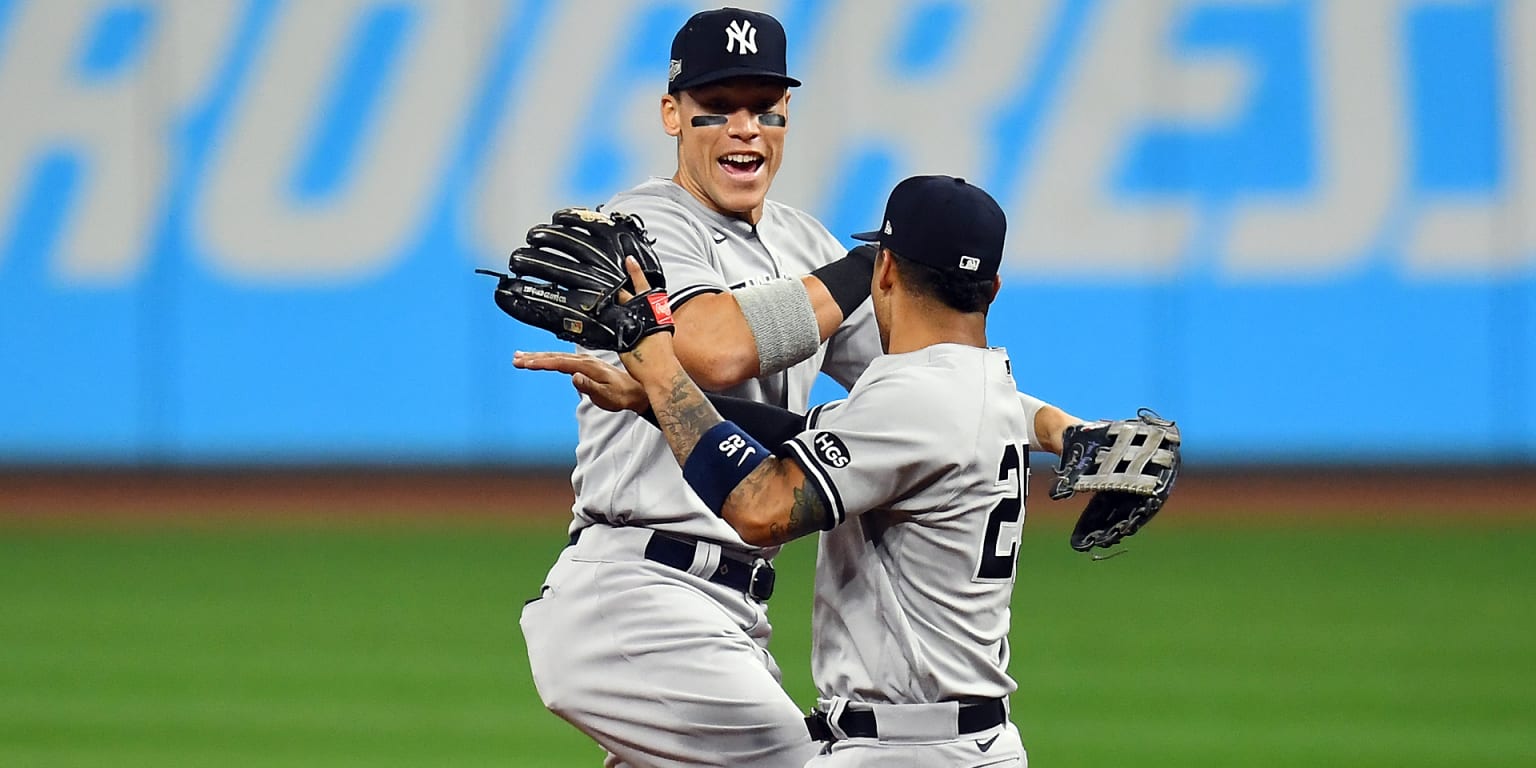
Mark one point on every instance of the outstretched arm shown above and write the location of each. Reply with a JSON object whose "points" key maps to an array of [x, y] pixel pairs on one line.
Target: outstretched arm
{"points": [[613, 389], [1050, 424]]}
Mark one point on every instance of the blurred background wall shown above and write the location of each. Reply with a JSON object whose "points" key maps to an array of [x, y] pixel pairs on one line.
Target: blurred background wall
{"points": [[244, 232]]}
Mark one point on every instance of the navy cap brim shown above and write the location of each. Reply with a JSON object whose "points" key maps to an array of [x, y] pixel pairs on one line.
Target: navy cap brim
{"points": [[717, 75], [868, 237]]}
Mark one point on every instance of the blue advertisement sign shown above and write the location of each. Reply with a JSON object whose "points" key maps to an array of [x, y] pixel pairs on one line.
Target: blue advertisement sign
{"points": [[237, 232]]}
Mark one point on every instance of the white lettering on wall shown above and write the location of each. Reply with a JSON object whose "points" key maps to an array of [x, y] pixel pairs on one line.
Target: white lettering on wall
{"points": [[539, 139], [1360, 138], [249, 222], [1069, 220], [1491, 234], [115, 127], [938, 120]]}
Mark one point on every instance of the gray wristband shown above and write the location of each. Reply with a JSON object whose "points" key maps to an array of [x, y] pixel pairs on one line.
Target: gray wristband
{"points": [[782, 320]]}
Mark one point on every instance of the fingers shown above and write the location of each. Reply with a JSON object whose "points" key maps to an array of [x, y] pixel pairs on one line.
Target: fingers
{"points": [[636, 278], [636, 275], [562, 362], [607, 386]]}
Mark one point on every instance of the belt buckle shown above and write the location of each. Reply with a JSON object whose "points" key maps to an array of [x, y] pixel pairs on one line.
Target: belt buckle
{"points": [[760, 583]]}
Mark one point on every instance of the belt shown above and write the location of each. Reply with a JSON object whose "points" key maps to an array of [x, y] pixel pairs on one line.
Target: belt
{"points": [[753, 578], [860, 723]]}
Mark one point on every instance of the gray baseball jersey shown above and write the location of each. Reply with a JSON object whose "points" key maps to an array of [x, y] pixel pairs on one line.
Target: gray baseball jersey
{"points": [[659, 665], [624, 473], [924, 468]]}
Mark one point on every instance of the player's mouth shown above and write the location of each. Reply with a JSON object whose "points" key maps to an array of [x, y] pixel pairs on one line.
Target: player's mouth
{"points": [[741, 165]]}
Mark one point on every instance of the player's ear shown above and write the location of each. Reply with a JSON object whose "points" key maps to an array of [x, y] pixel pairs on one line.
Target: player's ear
{"points": [[885, 270], [997, 285], [671, 115]]}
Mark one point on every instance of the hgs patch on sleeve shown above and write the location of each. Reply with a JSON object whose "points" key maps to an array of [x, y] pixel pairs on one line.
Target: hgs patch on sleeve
{"points": [[831, 450]]}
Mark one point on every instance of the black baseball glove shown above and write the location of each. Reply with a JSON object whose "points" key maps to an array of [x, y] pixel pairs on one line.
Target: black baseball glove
{"points": [[1129, 465], [567, 278]]}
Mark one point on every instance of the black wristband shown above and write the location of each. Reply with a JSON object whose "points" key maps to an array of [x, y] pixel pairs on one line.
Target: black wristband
{"points": [[847, 279]]}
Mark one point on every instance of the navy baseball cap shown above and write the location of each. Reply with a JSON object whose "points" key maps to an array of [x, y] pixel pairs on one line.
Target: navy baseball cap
{"points": [[945, 223], [722, 44]]}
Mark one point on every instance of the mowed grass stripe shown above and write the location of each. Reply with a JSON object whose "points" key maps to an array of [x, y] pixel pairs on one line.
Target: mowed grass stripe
{"points": [[392, 647], [1202, 646], [1320, 647]]}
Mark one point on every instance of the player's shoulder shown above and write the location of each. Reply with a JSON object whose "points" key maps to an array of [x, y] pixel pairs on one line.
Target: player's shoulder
{"points": [[668, 215], [790, 217], [657, 199], [948, 382], [814, 244]]}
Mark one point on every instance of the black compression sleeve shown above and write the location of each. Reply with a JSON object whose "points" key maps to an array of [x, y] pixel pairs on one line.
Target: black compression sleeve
{"points": [[767, 424], [847, 279]]}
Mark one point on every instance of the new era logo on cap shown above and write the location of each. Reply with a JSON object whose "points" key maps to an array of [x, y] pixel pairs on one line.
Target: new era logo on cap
{"points": [[725, 43]]}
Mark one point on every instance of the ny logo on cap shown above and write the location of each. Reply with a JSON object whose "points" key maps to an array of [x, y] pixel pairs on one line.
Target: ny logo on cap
{"points": [[675, 69], [741, 37]]}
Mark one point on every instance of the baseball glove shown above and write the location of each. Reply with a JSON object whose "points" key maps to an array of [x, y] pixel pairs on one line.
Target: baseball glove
{"points": [[566, 280], [1128, 465]]}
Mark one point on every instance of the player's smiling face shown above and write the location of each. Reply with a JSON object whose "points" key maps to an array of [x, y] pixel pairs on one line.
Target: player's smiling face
{"points": [[730, 142]]}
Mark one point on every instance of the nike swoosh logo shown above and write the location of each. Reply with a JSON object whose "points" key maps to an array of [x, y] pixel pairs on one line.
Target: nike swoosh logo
{"points": [[986, 745]]}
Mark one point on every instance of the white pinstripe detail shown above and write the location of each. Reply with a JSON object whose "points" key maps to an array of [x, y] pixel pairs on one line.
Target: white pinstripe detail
{"points": [[818, 475]]}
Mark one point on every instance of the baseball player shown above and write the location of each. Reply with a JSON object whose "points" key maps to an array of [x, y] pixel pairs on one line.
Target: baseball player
{"points": [[651, 632], [923, 512]]}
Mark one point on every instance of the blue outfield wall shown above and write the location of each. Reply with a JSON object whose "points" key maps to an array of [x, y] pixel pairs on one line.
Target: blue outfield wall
{"points": [[236, 232]]}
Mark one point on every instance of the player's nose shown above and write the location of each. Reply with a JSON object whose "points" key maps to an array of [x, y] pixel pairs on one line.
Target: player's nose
{"points": [[742, 124]]}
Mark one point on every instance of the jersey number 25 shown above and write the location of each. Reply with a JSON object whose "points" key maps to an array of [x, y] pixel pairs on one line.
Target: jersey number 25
{"points": [[994, 564]]}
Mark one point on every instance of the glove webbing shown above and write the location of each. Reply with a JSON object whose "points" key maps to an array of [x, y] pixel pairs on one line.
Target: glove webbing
{"points": [[1109, 475]]}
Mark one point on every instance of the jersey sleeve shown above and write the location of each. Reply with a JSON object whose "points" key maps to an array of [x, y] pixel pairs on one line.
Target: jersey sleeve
{"points": [[1032, 406], [872, 451], [682, 243]]}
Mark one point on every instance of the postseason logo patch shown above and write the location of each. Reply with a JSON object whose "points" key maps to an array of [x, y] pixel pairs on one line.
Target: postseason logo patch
{"points": [[831, 450]]}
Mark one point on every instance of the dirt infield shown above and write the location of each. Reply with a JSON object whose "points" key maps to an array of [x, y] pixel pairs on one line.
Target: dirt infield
{"points": [[485, 494]]}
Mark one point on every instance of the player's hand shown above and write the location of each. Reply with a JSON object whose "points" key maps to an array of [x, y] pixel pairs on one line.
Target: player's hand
{"points": [[653, 345], [637, 277], [567, 278], [609, 387]]}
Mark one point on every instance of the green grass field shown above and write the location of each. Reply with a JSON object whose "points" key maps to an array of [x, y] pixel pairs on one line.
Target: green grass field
{"points": [[398, 646]]}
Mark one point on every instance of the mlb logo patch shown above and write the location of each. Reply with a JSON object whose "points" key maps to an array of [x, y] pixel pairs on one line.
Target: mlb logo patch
{"points": [[970, 263]]}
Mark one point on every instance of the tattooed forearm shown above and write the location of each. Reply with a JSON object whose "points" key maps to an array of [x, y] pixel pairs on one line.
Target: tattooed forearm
{"points": [[759, 509], [773, 503], [684, 414], [805, 515]]}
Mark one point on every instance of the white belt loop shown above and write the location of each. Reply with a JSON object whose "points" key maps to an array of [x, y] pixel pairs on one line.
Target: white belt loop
{"points": [[706, 558], [834, 708]]}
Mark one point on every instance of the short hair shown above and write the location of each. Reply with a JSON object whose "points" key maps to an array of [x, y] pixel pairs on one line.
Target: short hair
{"points": [[953, 290]]}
